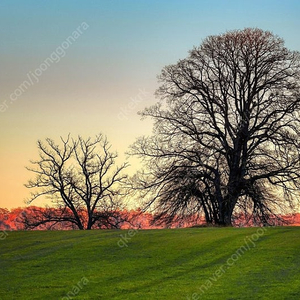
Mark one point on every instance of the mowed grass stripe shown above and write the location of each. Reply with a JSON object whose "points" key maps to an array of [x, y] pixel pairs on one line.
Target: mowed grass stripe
{"points": [[193, 263]]}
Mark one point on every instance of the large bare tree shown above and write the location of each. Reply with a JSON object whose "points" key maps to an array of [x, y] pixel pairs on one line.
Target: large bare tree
{"points": [[226, 131], [81, 178]]}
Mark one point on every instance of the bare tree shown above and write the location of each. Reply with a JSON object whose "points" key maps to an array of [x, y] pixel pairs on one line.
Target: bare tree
{"points": [[81, 179], [226, 131]]}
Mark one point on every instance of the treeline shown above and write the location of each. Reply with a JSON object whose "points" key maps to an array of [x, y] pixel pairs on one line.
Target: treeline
{"points": [[27, 219], [36, 218]]}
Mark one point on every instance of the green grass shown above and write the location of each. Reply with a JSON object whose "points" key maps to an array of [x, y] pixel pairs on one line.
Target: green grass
{"points": [[194, 263]]}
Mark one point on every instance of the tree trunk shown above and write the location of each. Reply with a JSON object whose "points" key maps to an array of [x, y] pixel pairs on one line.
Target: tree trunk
{"points": [[80, 226], [226, 209], [90, 221]]}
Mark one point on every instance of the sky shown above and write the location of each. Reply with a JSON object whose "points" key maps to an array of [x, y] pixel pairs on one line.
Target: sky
{"points": [[85, 67]]}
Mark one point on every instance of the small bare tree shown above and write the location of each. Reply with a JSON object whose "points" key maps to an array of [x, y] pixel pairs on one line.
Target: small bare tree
{"points": [[80, 178]]}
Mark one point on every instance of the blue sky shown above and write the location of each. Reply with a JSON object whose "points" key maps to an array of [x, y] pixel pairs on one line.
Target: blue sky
{"points": [[112, 64]]}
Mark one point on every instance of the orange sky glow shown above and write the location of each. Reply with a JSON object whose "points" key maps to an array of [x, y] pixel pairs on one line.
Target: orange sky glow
{"points": [[90, 67]]}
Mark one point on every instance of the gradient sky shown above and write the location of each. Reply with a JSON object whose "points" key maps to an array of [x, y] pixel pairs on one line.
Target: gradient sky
{"points": [[108, 73]]}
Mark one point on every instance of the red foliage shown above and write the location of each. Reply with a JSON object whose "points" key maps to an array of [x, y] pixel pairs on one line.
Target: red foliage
{"points": [[12, 220]]}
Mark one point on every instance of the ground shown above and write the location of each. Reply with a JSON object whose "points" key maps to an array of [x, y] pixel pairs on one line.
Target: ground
{"points": [[193, 263]]}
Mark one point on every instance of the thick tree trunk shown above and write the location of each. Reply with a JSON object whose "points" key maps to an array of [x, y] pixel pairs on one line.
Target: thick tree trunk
{"points": [[226, 219], [226, 209]]}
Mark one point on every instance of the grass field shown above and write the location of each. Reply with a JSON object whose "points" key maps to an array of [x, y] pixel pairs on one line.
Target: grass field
{"points": [[194, 263]]}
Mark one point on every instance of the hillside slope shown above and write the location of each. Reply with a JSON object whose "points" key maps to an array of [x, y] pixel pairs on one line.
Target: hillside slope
{"points": [[193, 263]]}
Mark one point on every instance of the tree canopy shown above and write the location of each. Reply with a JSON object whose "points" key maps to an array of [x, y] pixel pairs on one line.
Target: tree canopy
{"points": [[80, 177], [226, 131]]}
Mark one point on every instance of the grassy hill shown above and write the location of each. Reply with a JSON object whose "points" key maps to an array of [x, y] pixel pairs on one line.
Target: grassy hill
{"points": [[194, 263]]}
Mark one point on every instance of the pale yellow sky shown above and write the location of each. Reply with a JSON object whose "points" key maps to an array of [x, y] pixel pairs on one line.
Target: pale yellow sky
{"points": [[97, 82]]}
